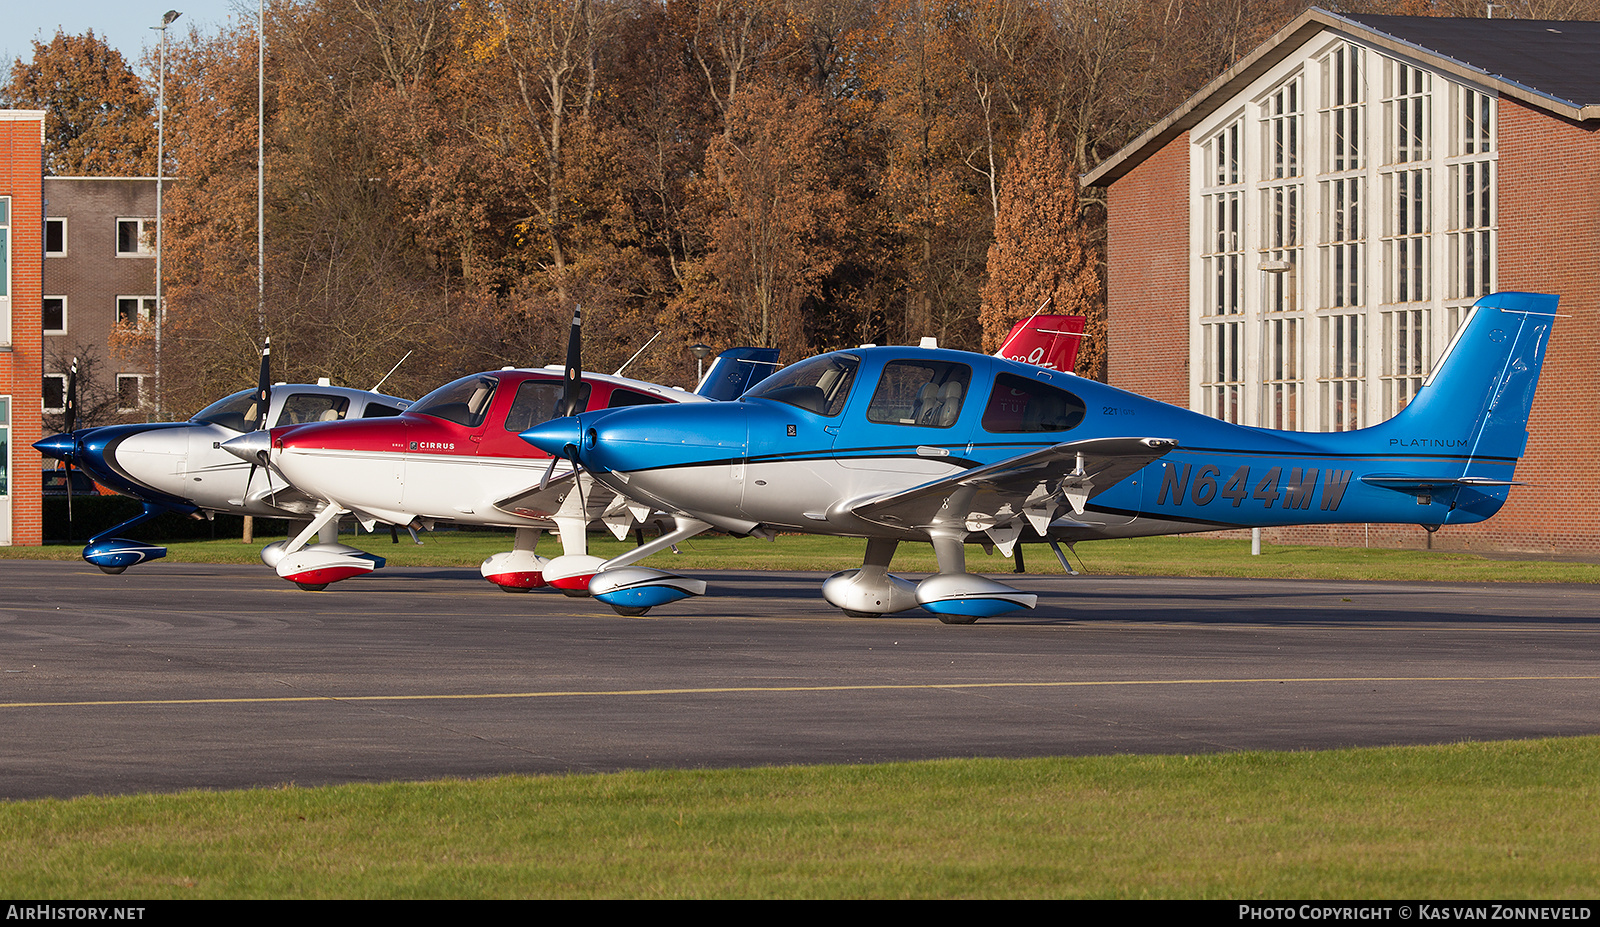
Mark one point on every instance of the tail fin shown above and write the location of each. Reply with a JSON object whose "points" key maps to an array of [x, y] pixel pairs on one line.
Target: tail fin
{"points": [[1477, 401], [1049, 341], [736, 370]]}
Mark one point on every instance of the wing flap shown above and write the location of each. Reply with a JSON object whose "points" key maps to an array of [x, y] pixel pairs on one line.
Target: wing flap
{"points": [[1032, 487], [561, 497]]}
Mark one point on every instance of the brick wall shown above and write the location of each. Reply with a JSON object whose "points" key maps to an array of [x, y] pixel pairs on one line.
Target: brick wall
{"points": [[1147, 276], [21, 175]]}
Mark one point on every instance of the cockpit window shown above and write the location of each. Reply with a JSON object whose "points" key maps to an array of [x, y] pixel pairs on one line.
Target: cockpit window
{"points": [[536, 402], [235, 413], [312, 407], [465, 401], [1021, 406], [918, 392], [820, 385]]}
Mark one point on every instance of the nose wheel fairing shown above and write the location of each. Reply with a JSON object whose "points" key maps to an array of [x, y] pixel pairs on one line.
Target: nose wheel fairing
{"points": [[635, 590], [114, 554]]}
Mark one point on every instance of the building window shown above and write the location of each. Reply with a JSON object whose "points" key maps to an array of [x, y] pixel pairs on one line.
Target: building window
{"points": [[1223, 387], [55, 238], [53, 315], [1344, 91], [55, 392], [1281, 130], [1344, 131], [1471, 215], [1222, 261], [1342, 348], [1343, 238], [1408, 112], [136, 237], [134, 311], [1407, 356], [131, 392], [1280, 373], [5, 247], [1406, 246]]}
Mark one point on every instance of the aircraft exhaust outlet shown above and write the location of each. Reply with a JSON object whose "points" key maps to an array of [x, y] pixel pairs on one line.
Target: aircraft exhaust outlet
{"points": [[515, 570], [635, 590]]}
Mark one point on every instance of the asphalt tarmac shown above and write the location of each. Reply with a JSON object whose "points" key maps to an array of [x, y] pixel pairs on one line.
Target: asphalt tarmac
{"points": [[188, 676]]}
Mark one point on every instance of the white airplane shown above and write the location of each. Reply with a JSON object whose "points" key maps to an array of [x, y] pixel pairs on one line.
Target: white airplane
{"points": [[949, 447], [181, 467], [455, 457]]}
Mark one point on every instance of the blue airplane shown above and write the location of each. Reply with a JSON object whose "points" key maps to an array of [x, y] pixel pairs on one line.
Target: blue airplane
{"points": [[896, 444]]}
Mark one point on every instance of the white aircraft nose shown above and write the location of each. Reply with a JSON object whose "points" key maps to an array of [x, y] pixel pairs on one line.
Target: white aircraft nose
{"points": [[249, 446]]}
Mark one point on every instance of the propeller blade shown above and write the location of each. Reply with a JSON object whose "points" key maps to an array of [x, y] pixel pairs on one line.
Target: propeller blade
{"points": [[263, 402], [264, 385], [71, 416], [577, 484], [548, 472], [572, 377]]}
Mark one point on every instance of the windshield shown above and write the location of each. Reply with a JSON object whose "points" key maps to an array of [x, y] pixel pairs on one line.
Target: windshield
{"points": [[465, 401], [820, 385], [236, 412]]}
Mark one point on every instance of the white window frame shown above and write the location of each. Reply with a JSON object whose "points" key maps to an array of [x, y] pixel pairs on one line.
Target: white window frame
{"points": [[145, 247], [47, 409], [5, 270], [64, 322], [143, 401], [63, 250], [7, 471], [144, 312]]}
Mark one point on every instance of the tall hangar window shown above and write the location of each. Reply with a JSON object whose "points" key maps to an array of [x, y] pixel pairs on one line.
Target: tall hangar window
{"points": [[1471, 221], [1406, 350], [1342, 182], [1282, 193], [1222, 260], [1342, 221]]}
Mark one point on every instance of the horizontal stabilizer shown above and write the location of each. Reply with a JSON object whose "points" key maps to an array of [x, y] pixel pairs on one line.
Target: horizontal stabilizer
{"points": [[1422, 486]]}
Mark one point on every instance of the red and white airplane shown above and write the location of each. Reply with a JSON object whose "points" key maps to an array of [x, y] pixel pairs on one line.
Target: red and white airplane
{"points": [[454, 456]]}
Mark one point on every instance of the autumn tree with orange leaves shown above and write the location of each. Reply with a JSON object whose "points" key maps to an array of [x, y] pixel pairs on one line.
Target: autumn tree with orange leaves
{"points": [[1041, 256], [99, 119]]}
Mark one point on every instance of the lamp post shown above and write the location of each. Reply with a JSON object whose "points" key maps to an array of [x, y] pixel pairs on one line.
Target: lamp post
{"points": [[161, 158], [701, 352]]}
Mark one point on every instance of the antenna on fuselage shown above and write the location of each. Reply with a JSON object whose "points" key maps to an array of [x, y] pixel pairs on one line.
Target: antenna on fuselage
{"points": [[391, 371], [636, 354]]}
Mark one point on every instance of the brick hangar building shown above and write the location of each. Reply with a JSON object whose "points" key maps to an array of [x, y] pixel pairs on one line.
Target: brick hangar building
{"points": [[1296, 244]]}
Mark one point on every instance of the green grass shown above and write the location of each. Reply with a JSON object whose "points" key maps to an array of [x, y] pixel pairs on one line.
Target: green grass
{"points": [[1164, 556], [1499, 820]]}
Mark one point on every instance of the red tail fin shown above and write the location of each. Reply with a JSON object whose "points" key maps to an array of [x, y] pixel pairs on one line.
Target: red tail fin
{"points": [[1049, 341]]}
